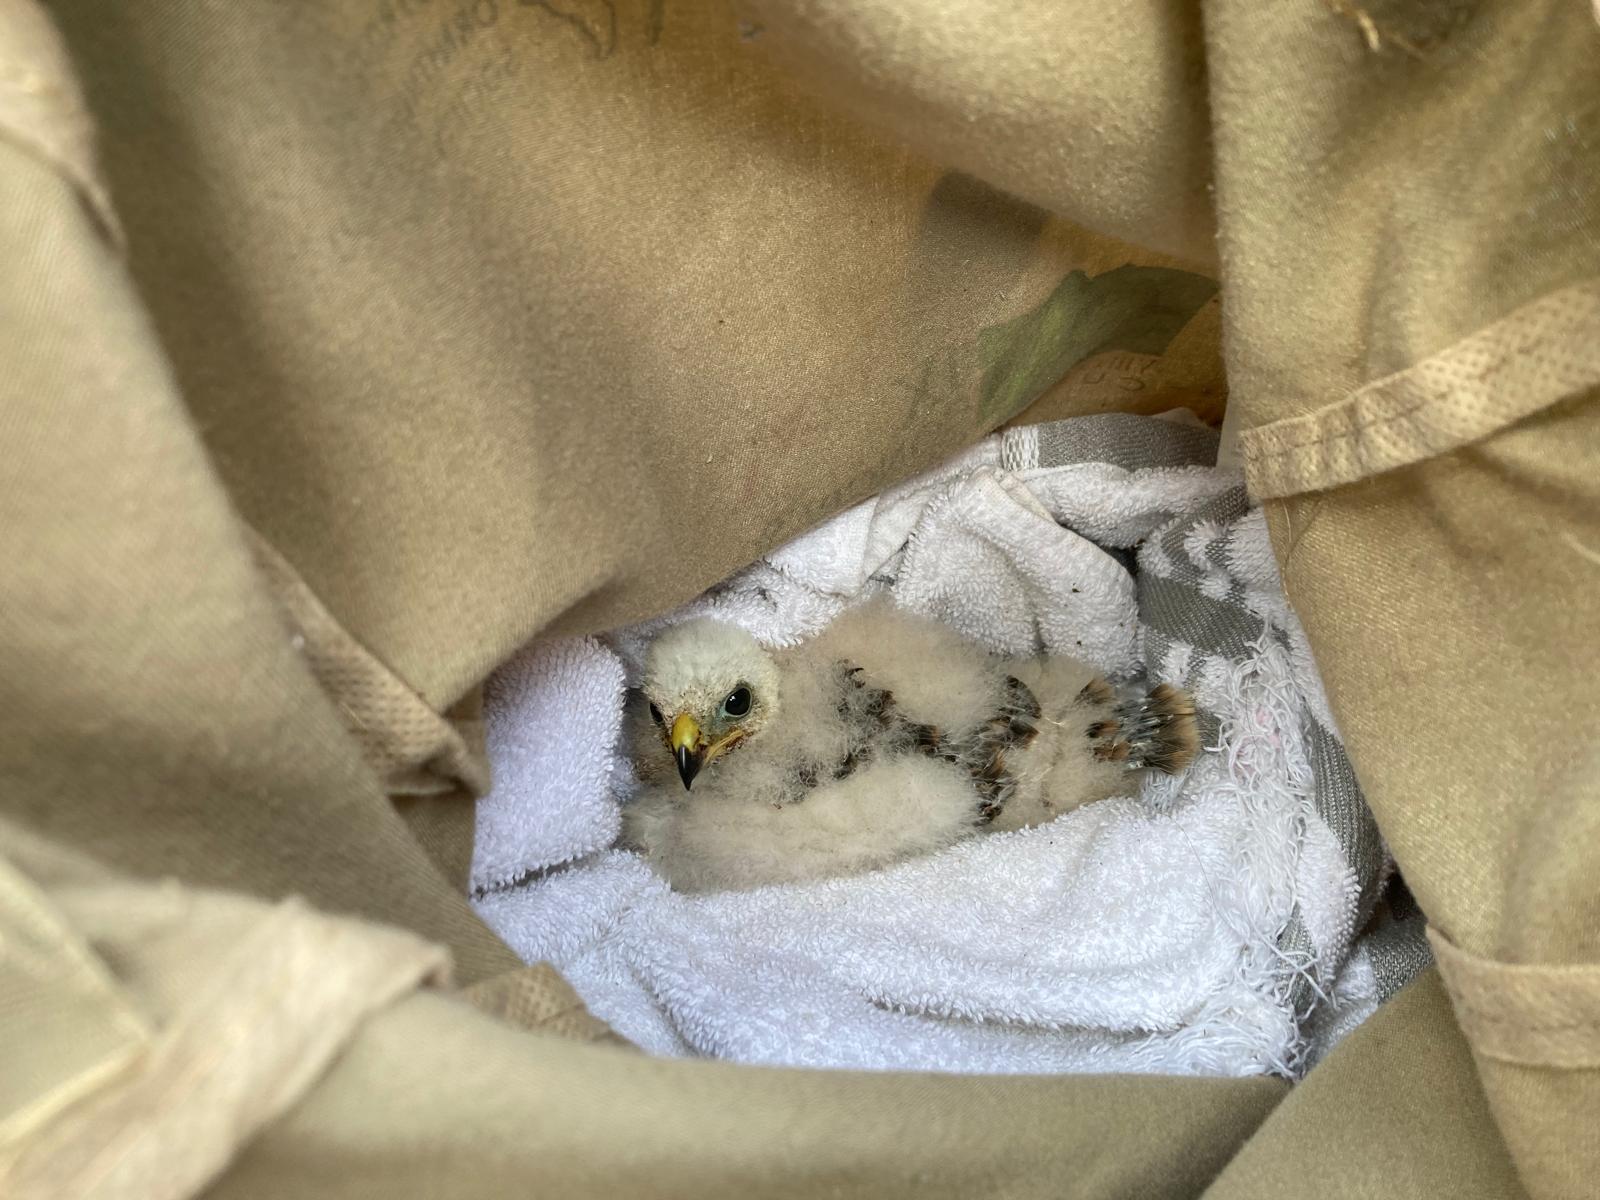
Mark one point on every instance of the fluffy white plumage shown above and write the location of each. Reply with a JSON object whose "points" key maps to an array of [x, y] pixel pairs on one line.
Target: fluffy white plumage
{"points": [[888, 735]]}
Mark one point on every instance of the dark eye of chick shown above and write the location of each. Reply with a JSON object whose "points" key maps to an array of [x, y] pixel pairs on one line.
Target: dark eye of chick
{"points": [[738, 702], [655, 715]]}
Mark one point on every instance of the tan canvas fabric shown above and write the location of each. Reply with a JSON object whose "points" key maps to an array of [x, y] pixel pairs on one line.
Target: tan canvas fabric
{"points": [[1097, 113], [1378, 205], [157, 713], [1450, 606], [1535, 1028], [1540, 353], [537, 997], [1409, 219], [1394, 1111], [490, 313], [441, 823], [413, 750], [435, 1100]]}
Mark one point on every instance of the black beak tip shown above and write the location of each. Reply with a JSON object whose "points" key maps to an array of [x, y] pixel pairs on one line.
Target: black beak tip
{"points": [[688, 766]]}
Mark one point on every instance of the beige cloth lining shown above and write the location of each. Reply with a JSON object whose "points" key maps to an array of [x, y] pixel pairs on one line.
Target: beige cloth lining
{"points": [[238, 1051], [66, 1029], [41, 108]]}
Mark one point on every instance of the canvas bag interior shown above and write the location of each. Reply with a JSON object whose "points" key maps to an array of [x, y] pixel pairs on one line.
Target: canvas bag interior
{"points": [[349, 347]]}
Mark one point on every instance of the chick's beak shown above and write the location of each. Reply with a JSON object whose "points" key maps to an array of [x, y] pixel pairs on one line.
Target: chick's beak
{"points": [[685, 740]]}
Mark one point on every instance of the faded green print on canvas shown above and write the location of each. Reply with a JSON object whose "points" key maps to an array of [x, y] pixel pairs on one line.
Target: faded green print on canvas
{"points": [[1131, 308]]}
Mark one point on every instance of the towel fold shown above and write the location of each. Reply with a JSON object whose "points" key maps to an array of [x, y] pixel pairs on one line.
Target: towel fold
{"points": [[1193, 929]]}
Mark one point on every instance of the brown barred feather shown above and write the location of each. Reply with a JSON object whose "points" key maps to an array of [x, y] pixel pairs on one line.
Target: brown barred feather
{"points": [[1097, 692]]}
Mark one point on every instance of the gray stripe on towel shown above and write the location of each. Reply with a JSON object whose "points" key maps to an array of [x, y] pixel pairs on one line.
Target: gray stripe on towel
{"points": [[1184, 614], [1297, 947], [1399, 952], [1173, 609], [1222, 509], [1126, 440], [1344, 809]]}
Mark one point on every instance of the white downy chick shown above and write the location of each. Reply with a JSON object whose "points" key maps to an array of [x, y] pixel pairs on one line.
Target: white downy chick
{"points": [[888, 735]]}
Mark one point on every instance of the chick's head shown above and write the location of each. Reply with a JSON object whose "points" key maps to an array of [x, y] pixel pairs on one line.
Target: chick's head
{"points": [[711, 688]]}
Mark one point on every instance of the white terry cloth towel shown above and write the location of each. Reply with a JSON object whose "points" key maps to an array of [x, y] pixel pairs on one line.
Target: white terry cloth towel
{"points": [[1196, 928], [550, 723]]}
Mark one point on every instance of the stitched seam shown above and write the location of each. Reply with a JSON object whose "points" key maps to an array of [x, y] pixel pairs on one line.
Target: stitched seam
{"points": [[1320, 436], [1266, 445], [444, 756], [1426, 399]]}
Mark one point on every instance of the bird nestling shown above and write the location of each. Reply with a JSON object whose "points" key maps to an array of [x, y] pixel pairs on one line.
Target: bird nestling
{"points": [[888, 735]]}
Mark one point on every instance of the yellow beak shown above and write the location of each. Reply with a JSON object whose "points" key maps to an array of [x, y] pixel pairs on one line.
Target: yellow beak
{"points": [[685, 739]]}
